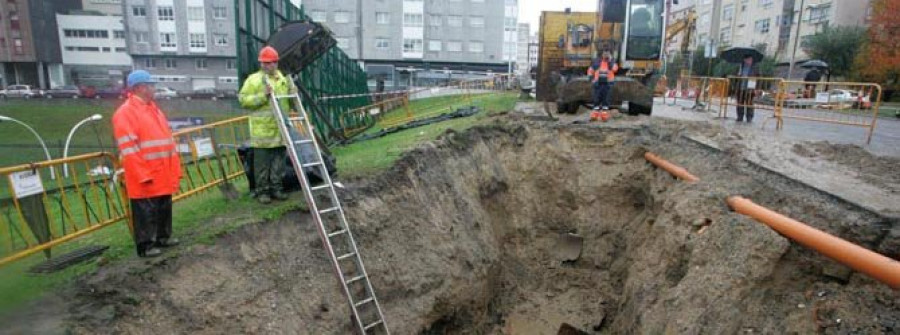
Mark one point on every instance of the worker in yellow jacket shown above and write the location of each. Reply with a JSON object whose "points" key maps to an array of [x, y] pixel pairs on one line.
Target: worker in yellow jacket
{"points": [[265, 137]]}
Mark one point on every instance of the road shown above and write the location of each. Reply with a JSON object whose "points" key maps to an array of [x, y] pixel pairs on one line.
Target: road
{"points": [[885, 140]]}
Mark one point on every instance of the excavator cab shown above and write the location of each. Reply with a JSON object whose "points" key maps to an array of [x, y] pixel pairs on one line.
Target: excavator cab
{"points": [[642, 44]]}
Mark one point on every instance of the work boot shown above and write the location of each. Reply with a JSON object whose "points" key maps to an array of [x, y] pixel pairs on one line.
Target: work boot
{"points": [[264, 199], [152, 252], [168, 242], [278, 195]]}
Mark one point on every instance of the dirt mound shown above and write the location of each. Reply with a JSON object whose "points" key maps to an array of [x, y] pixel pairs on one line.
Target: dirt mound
{"points": [[461, 236], [880, 171]]}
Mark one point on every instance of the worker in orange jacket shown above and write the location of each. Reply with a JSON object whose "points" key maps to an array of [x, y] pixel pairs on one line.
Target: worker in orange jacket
{"points": [[602, 74], [151, 162]]}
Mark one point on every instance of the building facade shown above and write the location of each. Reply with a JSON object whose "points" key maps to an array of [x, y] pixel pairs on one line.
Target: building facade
{"points": [[522, 64], [23, 25], [93, 49], [108, 7], [186, 44], [412, 42]]}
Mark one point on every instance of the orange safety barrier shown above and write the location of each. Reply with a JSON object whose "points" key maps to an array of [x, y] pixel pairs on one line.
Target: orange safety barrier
{"points": [[673, 169], [844, 103], [883, 269]]}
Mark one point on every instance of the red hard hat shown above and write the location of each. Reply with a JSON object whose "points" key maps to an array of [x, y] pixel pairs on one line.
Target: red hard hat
{"points": [[268, 55]]}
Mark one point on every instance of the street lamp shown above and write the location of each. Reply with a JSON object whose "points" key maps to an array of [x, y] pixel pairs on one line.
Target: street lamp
{"points": [[41, 140], [95, 117]]}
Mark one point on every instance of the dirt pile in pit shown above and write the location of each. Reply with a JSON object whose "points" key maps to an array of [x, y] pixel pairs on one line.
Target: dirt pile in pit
{"points": [[460, 237]]}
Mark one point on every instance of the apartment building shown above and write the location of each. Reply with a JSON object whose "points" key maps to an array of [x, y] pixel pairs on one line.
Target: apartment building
{"points": [[93, 48], [23, 25], [107, 7], [416, 41], [533, 48], [186, 44]]}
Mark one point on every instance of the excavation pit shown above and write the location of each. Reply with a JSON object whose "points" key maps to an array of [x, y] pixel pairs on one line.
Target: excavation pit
{"points": [[462, 236]]}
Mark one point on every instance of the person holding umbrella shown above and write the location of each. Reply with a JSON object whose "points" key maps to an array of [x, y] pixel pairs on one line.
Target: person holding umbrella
{"points": [[745, 88]]}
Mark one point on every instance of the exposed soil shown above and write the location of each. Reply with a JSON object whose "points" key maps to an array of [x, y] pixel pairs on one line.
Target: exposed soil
{"points": [[461, 237], [881, 171]]}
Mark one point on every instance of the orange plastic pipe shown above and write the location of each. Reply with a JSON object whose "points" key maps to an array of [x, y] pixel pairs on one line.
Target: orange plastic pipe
{"points": [[675, 170], [882, 268]]}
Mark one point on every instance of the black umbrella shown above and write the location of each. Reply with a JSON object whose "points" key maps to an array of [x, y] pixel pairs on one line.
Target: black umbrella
{"points": [[737, 55], [814, 64]]}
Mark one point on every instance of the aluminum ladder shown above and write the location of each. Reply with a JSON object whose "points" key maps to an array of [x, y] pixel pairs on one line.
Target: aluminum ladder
{"points": [[330, 221]]}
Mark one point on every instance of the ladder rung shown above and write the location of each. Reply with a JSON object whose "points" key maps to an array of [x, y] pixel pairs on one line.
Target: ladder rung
{"points": [[311, 164], [355, 279], [320, 187], [374, 324], [303, 141], [345, 256], [365, 302], [337, 233], [288, 96], [329, 210]]}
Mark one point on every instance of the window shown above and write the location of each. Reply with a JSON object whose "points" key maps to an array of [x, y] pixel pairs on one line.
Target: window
{"points": [[120, 49], [171, 63], [454, 21], [434, 20], [819, 13], [725, 36], [228, 80], [343, 42], [434, 45], [195, 13], [221, 39], [84, 33], [18, 48], [201, 64], [382, 18], [119, 34], [166, 13], [14, 20], [107, 49], [766, 3], [138, 11], [454, 46], [229, 64], [341, 17], [318, 16], [704, 19], [476, 47], [412, 45], [167, 40], [412, 20], [762, 26], [728, 12], [198, 41], [150, 63], [220, 13], [476, 21], [141, 37], [382, 43]]}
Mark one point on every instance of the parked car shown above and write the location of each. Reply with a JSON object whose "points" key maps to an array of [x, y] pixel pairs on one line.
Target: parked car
{"points": [[166, 93], [848, 97], [109, 92], [68, 91], [205, 93], [20, 91]]}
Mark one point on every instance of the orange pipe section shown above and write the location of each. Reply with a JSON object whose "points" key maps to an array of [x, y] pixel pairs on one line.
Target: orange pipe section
{"points": [[675, 170], [883, 269]]}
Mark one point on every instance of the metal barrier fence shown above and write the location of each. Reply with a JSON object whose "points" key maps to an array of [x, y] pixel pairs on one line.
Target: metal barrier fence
{"points": [[208, 155], [747, 94], [41, 210], [706, 92], [852, 104]]}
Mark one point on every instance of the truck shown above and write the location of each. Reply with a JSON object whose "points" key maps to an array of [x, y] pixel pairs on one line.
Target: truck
{"points": [[632, 31]]}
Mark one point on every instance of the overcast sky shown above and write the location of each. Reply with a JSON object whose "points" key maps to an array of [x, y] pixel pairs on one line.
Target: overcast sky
{"points": [[530, 10]]}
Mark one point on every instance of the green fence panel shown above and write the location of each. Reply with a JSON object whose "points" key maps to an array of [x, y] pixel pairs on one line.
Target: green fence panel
{"points": [[332, 74]]}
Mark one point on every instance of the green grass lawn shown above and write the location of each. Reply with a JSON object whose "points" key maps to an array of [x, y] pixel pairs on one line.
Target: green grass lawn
{"points": [[194, 217], [53, 119]]}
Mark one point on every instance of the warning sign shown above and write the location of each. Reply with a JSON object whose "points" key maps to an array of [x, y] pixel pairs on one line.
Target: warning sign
{"points": [[26, 183]]}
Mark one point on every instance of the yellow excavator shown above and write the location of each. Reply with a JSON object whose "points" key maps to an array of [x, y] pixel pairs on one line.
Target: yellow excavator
{"points": [[685, 26], [634, 32]]}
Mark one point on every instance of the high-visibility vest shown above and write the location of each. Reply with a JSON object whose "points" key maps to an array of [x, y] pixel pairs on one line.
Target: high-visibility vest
{"points": [[264, 132], [146, 149], [603, 67]]}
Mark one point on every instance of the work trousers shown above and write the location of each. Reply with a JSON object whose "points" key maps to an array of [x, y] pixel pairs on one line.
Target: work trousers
{"points": [[152, 221], [745, 105], [602, 93], [268, 170]]}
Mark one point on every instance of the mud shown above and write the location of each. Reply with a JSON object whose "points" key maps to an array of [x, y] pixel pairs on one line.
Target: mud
{"points": [[460, 237]]}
